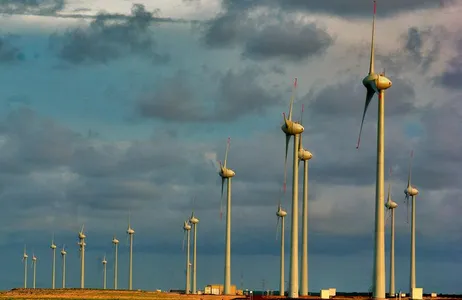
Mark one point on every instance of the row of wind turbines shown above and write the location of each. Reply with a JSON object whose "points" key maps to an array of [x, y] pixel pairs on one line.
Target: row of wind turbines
{"points": [[82, 244], [374, 83]]}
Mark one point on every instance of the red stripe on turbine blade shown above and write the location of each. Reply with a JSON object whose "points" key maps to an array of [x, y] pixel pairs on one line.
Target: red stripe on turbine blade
{"points": [[375, 7], [295, 82]]}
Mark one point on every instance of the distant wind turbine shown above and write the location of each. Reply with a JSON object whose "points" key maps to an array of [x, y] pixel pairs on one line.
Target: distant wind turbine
{"points": [[304, 155], [115, 242], [227, 173], [292, 128], [53, 266], [411, 191], [130, 232], [104, 262], [24, 260], [391, 205], [194, 221], [63, 256], [34, 265], [377, 83], [82, 245], [187, 235], [281, 214]]}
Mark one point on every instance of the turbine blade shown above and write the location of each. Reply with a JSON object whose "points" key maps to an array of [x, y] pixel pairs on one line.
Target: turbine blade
{"points": [[221, 200], [184, 238], [226, 153], [369, 95], [285, 161], [372, 58], [277, 229], [292, 98], [410, 168], [407, 209], [301, 117]]}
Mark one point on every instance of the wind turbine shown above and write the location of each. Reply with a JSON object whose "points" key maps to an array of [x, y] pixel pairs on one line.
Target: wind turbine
{"points": [[104, 262], [34, 265], [226, 173], [115, 242], [53, 267], [82, 245], [63, 256], [281, 214], [304, 155], [24, 260], [187, 235], [293, 128], [194, 221], [377, 83], [411, 191], [391, 205], [130, 233]]}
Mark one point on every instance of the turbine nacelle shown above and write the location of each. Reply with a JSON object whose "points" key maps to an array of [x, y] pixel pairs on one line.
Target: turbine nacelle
{"points": [[53, 246], [63, 252], [25, 256], [186, 226], [304, 154], [226, 173], [377, 82], [130, 230], [34, 258], [281, 213], [82, 235], [411, 191], [115, 241], [291, 128], [82, 244], [193, 220], [391, 204], [104, 261]]}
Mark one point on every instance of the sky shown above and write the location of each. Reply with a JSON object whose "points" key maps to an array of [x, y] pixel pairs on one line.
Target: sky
{"points": [[115, 107]]}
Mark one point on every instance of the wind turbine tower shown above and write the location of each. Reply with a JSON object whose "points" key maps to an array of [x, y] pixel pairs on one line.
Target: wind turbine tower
{"points": [[281, 214], [194, 221], [291, 128], [411, 191], [116, 250], [34, 265], [24, 260], [228, 174], [130, 232], [187, 232], [53, 267], [391, 205], [82, 245], [304, 155], [377, 83], [63, 256], [104, 262]]}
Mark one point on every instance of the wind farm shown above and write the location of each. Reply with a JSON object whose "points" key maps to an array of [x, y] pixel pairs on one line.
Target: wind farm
{"points": [[339, 232]]}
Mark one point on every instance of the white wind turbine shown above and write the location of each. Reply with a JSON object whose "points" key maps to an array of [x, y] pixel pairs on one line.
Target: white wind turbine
{"points": [[194, 221], [391, 205], [227, 173], [187, 235], [411, 191], [304, 155], [53, 267], [82, 245], [377, 83], [34, 266], [24, 260], [63, 258], [281, 214], [104, 262], [130, 232], [293, 128], [115, 242]]}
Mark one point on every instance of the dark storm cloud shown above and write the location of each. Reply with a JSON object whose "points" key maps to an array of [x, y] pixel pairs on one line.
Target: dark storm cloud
{"points": [[108, 39], [35, 7], [262, 38], [451, 76], [10, 53], [239, 93]]}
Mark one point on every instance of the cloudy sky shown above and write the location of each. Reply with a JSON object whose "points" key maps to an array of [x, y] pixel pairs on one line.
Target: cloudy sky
{"points": [[111, 106]]}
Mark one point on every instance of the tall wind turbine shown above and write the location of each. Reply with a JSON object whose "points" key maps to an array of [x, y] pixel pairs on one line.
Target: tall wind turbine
{"points": [[304, 155], [377, 83], [293, 128], [104, 262], [63, 256], [227, 173], [130, 232], [391, 205], [281, 214], [411, 191], [194, 221], [82, 245], [53, 267], [34, 265], [187, 235], [24, 260], [115, 242]]}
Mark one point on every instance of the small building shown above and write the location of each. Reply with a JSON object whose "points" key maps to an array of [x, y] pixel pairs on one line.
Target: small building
{"points": [[332, 292], [325, 294], [217, 289]]}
